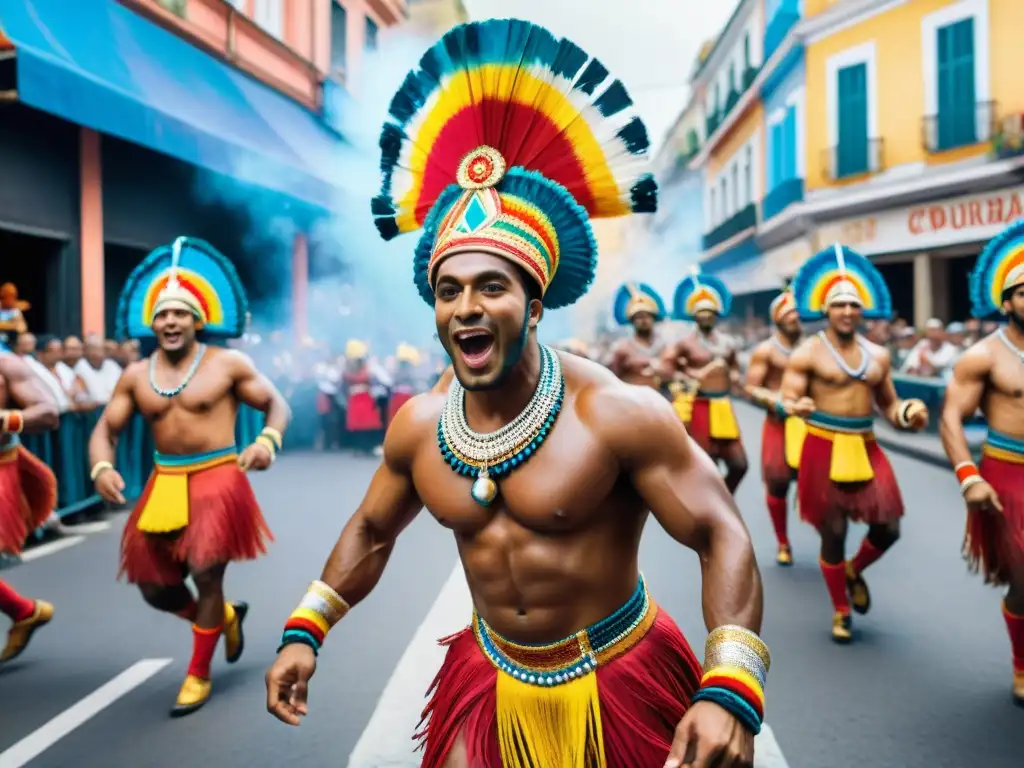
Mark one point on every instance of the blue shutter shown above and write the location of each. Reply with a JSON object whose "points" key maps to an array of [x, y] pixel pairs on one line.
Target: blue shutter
{"points": [[956, 96], [775, 150], [789, 140], [852, 152]]}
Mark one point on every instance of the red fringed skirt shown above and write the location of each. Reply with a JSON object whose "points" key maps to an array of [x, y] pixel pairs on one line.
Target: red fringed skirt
{"points": [[398, 399], [362, 414], [774, 469], [994, 541], [224, 524], [700, 429], [643, 696], [28, 494], [874, 501]]}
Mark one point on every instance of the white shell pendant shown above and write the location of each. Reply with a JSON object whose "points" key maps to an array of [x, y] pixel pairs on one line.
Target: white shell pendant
{"points": [[485, 490]]}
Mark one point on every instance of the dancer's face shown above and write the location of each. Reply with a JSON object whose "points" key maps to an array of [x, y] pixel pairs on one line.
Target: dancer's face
{"points": [[706, 320], [845, 318], [789, 325], [1013, 304], [175, 329], [485, 310], [643, 323]]}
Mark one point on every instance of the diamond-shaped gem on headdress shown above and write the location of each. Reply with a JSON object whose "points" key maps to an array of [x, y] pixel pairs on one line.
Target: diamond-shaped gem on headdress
{"points": [[482, 168]]}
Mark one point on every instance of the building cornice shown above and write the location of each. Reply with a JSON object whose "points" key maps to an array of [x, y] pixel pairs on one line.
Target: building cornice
{"points": [[841, 15], [729, 35]]}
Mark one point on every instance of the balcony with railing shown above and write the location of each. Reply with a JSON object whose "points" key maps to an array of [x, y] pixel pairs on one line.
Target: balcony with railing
{"points": [[781, 197], [743, 219], [851, 159], [784, 17], [960, 126]]}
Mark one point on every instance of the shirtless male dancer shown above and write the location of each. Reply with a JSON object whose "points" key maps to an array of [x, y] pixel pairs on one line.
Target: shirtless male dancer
{"points": [[782, 435], [636, 360], [835, 380], [707, 357], [28, 489], [197, 512], [544, 465], [990, 376]]}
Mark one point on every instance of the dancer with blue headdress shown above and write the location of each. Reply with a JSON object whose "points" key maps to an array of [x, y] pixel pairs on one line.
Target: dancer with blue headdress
{"points": [[706, 362], [501, 146], [836, 380], [637, 358], [990, 377], [197, 513]]}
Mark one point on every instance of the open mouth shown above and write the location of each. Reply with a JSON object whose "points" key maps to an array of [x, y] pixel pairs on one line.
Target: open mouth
{"points": [[475, 345], [172, 338]]}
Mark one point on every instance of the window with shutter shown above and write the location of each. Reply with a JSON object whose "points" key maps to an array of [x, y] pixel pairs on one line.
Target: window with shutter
{"points": [[955, 122], [852, 119], [789, 145]]}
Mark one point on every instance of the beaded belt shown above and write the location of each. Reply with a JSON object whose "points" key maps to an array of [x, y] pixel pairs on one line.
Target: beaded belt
{"points": [[830, 422], [574, 656]]}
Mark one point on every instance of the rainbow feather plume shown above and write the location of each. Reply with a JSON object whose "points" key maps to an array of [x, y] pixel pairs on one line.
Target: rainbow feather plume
{"points": [[203, 271], [557, 138], [699, 291], [1003, 255], [813, 281], [629, 292]]}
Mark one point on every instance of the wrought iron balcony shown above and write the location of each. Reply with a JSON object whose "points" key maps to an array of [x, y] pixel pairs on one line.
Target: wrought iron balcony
{"points": [[853, 158], [959, 127], [744, 218], [785, 194]]}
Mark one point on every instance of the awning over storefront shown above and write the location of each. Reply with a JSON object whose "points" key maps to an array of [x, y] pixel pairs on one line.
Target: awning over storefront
{"points": [[98, 64]]}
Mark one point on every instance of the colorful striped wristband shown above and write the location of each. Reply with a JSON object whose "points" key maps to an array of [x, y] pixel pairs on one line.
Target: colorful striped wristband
{"points": [[736, 664], [320, 609], [734, 704]]}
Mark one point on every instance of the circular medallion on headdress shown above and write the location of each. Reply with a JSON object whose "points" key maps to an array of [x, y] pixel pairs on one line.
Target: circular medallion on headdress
{"points": [[482, 168]]}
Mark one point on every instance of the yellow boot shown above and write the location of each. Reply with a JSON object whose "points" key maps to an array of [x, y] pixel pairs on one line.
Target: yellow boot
{"points": [[234, 637], [1018, 687], [842, 628], [21, 631], [194, 693], [785, 555], [857, 588]]}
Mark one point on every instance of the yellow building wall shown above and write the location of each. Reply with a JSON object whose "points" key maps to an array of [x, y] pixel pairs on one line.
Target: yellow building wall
{"points": [[740, 134], [814, 7], [900, 91]]}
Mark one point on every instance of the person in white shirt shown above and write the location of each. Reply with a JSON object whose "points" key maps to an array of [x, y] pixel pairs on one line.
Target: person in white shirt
{"points": [[933, 354], [49, 351], [99, 372]]}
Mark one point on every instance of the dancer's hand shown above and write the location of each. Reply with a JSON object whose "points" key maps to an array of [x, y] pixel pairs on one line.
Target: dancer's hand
{"points": [[288, 683], [803, 407], [982, 496], [709, 736], [257, 457], [109, 485], [917, 415]]}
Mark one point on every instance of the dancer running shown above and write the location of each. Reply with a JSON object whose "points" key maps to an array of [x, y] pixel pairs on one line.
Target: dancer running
{"points": [[197, 512], [707, 357], [782, 436], [990, 377], [835, 380], [28, 489], [543, 464]]}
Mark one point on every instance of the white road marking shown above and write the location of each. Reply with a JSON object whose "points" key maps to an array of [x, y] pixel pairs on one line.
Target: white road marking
{"points": [[87, 528], [387, 743], [51, 547], [56, 729]]}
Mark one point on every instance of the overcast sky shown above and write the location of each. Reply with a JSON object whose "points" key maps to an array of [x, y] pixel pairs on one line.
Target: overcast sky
{"points": [[649, 44]]}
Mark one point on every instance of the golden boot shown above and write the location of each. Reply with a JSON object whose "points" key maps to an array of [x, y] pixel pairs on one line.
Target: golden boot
{"points": [[21, 632], [842, 628], [857, 588], [194, 693], [234, 637]]}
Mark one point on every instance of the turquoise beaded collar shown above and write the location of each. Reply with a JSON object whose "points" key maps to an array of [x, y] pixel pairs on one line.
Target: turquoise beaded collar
{"points": [[493, 455]]}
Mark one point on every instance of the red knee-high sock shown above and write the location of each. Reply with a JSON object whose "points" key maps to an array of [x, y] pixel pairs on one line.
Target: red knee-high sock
{"points": [[777, 510], [866, 555], [204, 643], [16, 607], [1015, 626], [835, 580]]}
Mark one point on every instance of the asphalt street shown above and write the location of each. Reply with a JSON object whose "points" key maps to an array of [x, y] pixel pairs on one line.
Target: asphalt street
{"points": [[927, 684]]}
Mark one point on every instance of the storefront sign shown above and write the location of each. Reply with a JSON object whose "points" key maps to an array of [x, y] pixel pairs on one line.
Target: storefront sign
{"points": [[967, 219], [783, 262]]}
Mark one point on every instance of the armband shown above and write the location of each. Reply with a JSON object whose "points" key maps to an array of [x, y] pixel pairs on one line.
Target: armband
{"points": [[11, 422], [267, 443], [274, 436], [321, 608], [967, 474], [736, 664], [99, 468]]}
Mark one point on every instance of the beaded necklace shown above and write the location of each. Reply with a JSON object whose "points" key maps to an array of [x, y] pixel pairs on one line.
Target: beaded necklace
{"points": [[184, 382], [491, 456], [787, 351], [860, 372], [1010, 345], [720, 347]]}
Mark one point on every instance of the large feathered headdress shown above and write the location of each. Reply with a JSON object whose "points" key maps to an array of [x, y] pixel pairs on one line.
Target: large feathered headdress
{"points": [[507, 140], [700, 293], [633, 298], [999, 268], [839, 274], [189, 274], [782, 304]]}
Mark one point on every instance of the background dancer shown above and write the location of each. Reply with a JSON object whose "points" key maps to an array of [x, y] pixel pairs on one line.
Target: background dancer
{"points": [[990, 376], [835, 379], [708, 357], [636, 359], [28, 489], [548, 534], [406, 379], [364, 424], [782, 435], [197, 512]]}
